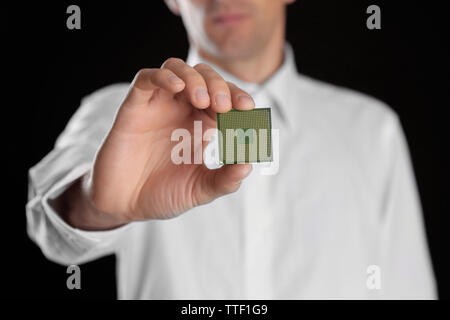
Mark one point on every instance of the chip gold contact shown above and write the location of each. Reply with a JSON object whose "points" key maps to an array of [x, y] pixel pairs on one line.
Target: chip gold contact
{"points": [[245, 136]]}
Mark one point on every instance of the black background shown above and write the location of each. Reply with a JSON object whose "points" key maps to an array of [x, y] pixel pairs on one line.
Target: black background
{"points": [[49, 68]]}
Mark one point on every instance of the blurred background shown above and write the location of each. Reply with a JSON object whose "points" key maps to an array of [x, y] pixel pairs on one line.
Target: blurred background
{"points": [[50, 68]]}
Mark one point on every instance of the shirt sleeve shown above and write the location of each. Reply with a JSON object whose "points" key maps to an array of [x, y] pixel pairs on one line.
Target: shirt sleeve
{"points": [[71, 158], [406, 270]]}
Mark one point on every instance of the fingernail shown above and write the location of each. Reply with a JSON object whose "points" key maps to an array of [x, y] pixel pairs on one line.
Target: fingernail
{"points": [[245, 100], [222, 99], [174, 79], [201, 94]]}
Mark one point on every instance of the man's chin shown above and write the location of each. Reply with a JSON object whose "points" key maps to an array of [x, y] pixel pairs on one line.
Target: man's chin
{"points": [[234, 50]]}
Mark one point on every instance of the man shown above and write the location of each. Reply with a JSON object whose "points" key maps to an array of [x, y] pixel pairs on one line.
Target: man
{"points": [[340, 219]]}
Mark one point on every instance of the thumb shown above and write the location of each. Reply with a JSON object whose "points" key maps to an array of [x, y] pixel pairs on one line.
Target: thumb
{"points": [[225, 180]]}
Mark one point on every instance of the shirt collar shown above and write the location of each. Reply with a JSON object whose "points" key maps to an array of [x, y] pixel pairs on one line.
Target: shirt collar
{"points": [[278, 86]]}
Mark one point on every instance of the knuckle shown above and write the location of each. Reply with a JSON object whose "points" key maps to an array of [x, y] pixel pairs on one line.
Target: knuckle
{"points": [[156, 75], [192, 75], [202, 66], [141, 73], [232, 86], [217, 82], [172, 61], [236, 89]]}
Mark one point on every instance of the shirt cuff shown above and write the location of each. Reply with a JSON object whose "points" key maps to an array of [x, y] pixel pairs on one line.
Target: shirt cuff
{"points": [[82, 238]]}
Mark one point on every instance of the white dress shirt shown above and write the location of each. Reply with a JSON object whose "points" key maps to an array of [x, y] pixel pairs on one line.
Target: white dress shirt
{"points": [[343, 200]]}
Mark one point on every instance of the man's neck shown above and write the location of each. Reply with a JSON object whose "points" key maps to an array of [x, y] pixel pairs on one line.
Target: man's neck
{"points": [[255, 68]]}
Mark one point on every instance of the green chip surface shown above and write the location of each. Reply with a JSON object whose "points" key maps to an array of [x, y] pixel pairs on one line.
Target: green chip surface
{"points": [[245, 136]]}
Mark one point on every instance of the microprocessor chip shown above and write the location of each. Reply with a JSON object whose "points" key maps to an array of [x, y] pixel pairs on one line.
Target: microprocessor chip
{"points": [[245, 136]]}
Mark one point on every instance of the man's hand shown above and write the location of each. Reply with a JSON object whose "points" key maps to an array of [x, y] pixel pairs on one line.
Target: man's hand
{"points": [[133, 177]]}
